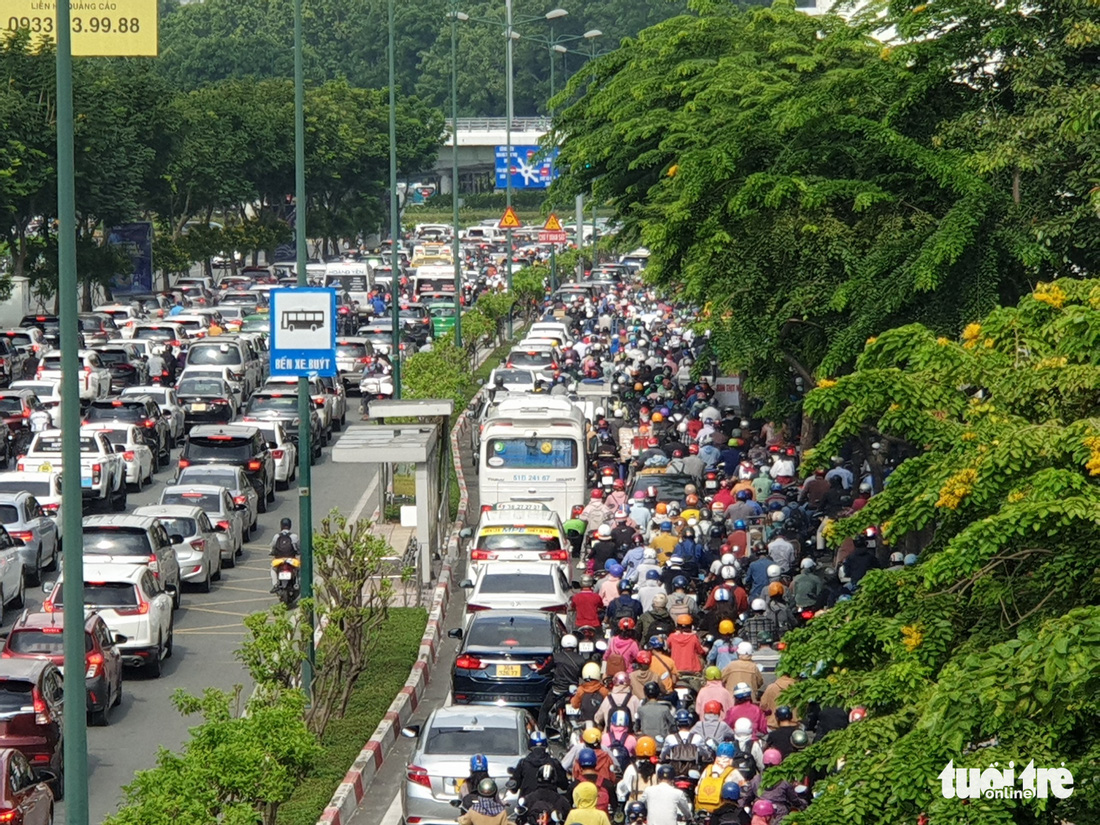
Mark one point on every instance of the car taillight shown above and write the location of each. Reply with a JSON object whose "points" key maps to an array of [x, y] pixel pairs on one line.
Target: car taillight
{"points": [[140, 609], [128, 455], [8, 814], [94, 662], [468, 662], [240, 499], [806, 615], [222, 525], [96, 470], [22, 535], [319, 402], [577, 510], [483, 555], [148, 422], [543, 664], [418, 775], [277, 453], [554, 555], [184, 463], [153, 565], [255, 464], [198, 544], [38, 373], [51, 509], [366, 360], [220, 401], [475, 608], [41, 711], [26, 412]]}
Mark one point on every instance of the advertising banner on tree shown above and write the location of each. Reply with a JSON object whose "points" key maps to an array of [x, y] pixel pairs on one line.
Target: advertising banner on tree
{"points": [[100, 28], [136, 240]]}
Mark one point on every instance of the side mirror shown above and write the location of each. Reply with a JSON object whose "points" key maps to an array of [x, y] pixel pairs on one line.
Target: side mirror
{"points": [[44, 775], [18, 542], [48, 587], [466, 584], [454, 633], [175, 538], [219, 528], [121, 639], [411, 731], [465, 532], [456, 803], [240, 506]]}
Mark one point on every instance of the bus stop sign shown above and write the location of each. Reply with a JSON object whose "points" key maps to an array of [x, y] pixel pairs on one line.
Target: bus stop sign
{"points": [[303, 331]]}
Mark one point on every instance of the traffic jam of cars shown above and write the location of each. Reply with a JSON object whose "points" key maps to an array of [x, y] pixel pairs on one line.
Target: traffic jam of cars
{"points": [[640, 552]]}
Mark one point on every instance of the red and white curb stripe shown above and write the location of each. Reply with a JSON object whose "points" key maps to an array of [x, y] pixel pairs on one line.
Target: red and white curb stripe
{"points": [[349, 793]]}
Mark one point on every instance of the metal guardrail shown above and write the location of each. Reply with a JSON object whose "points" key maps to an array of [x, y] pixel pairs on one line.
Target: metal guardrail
{"points": [[499, 124]]}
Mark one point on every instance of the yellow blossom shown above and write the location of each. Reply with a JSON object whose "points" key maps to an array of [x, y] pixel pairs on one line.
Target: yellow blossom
{"points": [[1050, 294], [672, 170], [872, 340], [885, 53], [1051, 363], [826, 383], [969, 435], [942, 341], [957, 488], [895, 407], [971, 332], [988, 343], [1093, 464], [912, 636], [920, 8], [1015, 496]]}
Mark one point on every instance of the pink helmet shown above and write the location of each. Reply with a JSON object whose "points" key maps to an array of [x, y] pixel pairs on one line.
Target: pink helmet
{"points": [[763, 807], [772, 757], [621, 678]]}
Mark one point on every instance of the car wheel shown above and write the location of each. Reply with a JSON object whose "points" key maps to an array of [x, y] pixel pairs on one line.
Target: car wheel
{"points": [[205, 586], [153, 667], [35, 575], [52, 566], [154, 466], [59, 787], [271, 493], [119, 503], [21, 599], [98, 718], [169, 647], [262, 506], [177, 596], [217, 575], [118, 696], [283, 485], [229, 562]]}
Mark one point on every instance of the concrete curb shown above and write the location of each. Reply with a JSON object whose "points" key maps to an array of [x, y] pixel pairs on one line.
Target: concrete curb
{"points": [[349, 793]]}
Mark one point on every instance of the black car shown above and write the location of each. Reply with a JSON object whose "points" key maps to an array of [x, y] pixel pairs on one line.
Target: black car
{"points": [[275, 405], [237, 445], [141, 411], [506, 657], [205, 400], [416, 323], [49, 324], [13, 361], [97, 328], [126, 365]]}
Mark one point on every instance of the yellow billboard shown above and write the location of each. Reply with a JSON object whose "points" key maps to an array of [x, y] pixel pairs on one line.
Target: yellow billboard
{"points": [[100, 28]]}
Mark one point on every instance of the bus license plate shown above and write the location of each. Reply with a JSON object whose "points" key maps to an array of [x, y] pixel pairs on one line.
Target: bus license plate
{"points": [[510, 671]]}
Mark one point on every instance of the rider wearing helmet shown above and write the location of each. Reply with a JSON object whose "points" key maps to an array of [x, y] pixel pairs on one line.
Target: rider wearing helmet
{"points": [[282, 549], [604, 548], [743, 669], [618, 740], [526, 775], [567, 672], [708, 791], [479, 770], [714, 691], [654, 715], [586, 800], [658, 619], [782, 794], [729, 810], [745, 708], [620, 698], [485, 808], [547, 799], [595, 512], [686, 649], [625, 606], [608, 588], [590, 692], [587, 606], [711, 725], [780, 737], [665, 803]]}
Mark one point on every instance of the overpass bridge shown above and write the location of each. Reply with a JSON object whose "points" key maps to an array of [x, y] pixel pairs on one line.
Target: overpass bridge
{"points": [[478, 138]]}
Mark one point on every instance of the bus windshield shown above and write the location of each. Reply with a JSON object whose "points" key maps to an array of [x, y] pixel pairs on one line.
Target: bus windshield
{"points": [[532, 453]]}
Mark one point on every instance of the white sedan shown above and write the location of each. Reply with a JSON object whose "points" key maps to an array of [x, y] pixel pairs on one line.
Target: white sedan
{"points": [[137, 455], [283, 450], [518, 586]]}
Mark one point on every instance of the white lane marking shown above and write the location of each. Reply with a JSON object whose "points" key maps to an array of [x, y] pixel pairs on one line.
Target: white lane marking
{"points": [[363, 499], [393, 813]]}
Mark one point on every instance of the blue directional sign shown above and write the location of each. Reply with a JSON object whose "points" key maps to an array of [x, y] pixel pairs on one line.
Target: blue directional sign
{"points": [[530, 167], [303, 331]]}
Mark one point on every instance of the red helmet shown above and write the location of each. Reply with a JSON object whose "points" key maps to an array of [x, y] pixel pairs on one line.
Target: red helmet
{"points": [[618, 484], [626, 624], [644, 658], [713, 706], [693, 449], [652, 441], [597, 493]]}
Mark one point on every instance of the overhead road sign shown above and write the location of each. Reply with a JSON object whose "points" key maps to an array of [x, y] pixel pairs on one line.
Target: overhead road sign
{"points": [[303, 331], [528, 167]]}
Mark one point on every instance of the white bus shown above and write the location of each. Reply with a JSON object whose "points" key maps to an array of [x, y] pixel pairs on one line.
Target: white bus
{"points": [[532, 450]]}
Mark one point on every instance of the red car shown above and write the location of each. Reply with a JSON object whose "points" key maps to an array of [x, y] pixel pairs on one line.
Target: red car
{"points": [[25, 795], [30, 714], [39, 636]]}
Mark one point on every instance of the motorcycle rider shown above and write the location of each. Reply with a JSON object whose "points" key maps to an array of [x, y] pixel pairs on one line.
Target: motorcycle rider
{"points": [[745, 708], [665, 803], [656, 620], [541, 804], [282, 549], [780, 738], [567, 672], [587, 605], [584, 810], [526, 774], [590, 692], [654, 714], [760, 624], [639, 774], [649, 590], [743, 670], [807, 588], [485, 808]]}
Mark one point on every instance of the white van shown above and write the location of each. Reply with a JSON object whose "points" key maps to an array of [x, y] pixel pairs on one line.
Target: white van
{"points": [[353, 277]]}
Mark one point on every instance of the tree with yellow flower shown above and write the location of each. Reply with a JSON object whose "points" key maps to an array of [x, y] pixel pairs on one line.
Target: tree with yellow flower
{"points": [[994, 635]]}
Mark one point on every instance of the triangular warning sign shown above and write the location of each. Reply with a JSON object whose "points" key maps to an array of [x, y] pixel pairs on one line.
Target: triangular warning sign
{"points": [[552, 224], [510, 220]]}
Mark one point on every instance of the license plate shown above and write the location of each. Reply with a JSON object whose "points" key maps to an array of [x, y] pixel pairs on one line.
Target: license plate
{"points": [[572, 711], [45, 467], [586, 647], [285, 575], [198, 408], [510, 671], [85, 482]]}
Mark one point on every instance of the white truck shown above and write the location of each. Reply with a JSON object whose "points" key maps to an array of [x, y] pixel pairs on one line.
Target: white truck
{"points": [[102, 469]]}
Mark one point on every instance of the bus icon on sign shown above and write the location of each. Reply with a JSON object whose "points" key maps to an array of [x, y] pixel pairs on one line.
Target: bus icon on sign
{"points": [[302, 319]]}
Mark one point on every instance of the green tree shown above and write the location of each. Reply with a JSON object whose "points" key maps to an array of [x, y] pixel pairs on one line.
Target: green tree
{"points": [[983, 651]]}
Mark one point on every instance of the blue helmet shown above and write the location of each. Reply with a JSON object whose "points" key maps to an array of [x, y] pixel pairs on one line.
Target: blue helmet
{"points": [[607, 565], [725, 749], [586, 758], [666, 526], [777, 487], [743, 495], [678, 582], [537, 738], [478, 762], [653, 575], [684, 719], [731, 792], [615, 570], [656, 643], [775, 505], [636, 810], [739, 525], [620, 719]]}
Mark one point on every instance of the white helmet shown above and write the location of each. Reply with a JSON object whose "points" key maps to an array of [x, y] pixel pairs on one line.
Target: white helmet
{"points": [[682, 427], [604, 532], [568, 641], [591, 672], [728, 559], [774, 571], [649, 553], [759, 605], [745, 648], [808, 564], [742, 727]]}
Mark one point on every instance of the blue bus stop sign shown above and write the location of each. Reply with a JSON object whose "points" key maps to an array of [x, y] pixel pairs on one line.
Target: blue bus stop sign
{"points": [[303, 331]]}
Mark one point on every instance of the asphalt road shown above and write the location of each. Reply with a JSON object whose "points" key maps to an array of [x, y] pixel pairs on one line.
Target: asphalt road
{"points": [[208, 631]]}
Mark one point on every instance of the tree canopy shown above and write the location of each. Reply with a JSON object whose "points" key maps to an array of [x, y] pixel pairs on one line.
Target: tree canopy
{"points": [[813, 186], [985, 650]]}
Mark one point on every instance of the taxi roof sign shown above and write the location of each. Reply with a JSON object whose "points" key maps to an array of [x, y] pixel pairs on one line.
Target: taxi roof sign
{"points": [[510, 220], [553, 224]]}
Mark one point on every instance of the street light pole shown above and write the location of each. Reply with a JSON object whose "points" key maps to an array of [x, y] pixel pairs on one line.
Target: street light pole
{"points": [[305, 401], [508, 147], [395, 222], [455, 246]]}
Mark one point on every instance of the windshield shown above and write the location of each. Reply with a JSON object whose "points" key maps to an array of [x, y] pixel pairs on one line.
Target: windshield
{"points": [[669, 487], [519, 540], [209, 502], [102, 594], [151, 334], [21, 339], [9, 514], [91, 324], [200, 386], [227, 449], [260, 403], [531, 359], [117, 541], [116, 436], [42, 641], [123, 412], [15, 696], [526, 583], [39, 489], [113, 356], [52, 444], [532, 453], [489, 630], [11, 404], [351, 350], [209, 475], [214, 355], [160, 396], [181, 526], [475, 738]]}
